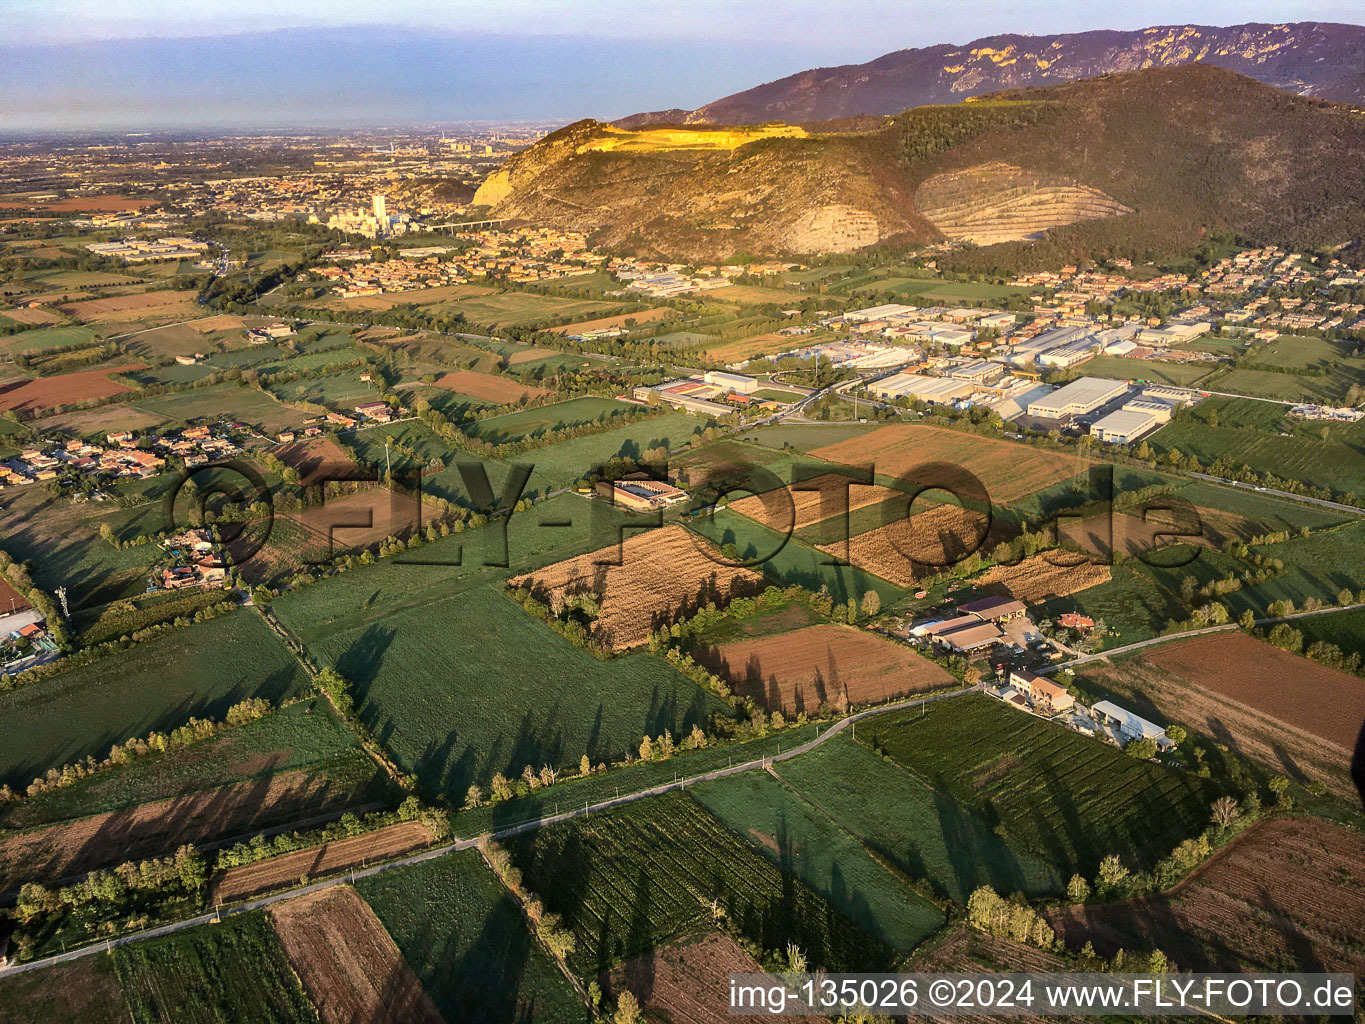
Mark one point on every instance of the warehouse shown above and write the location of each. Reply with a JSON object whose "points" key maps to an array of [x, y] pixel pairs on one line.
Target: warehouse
{"points": [[1078, 397], [1122, 427], [943, 390]]}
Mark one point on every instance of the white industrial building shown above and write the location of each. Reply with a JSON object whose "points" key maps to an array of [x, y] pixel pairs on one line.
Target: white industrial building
{"points": [[943, 390], [731, 381], [1077, 398], [1122, 427], [1129, 725]]}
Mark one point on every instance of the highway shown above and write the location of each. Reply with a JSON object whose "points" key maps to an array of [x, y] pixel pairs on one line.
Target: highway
{"points": [[530, 825]]}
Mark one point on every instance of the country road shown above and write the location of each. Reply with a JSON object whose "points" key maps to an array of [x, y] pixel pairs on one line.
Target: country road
{"points": [[465, 844]]}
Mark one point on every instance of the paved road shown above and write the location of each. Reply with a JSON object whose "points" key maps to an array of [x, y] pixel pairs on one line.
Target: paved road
{"points": [[465, 844], [1336, 506]]}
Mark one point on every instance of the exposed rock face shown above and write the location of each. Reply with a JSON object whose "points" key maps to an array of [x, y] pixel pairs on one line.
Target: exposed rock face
{"points": [[1309, 58], [996, 202]]}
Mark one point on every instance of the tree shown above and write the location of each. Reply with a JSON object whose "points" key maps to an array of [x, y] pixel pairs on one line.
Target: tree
{"points": [[627, 1009], [1144, 748], [34, 899], [872, 603], [473, 797], [1279, 785], [338, 691], [646, 749], [1225, 811], [1176, 734], [584, 766], [1112, 877], [1078, 889]]}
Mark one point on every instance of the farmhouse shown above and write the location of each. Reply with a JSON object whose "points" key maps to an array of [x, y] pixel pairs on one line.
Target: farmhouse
{"points": [[1129, 725], [379, 412], [1042, 690], [976, 637]]}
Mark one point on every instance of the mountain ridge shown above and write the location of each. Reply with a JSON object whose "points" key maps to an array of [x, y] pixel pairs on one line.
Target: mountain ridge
{"points": [[1128, 163], [1324, 60]]}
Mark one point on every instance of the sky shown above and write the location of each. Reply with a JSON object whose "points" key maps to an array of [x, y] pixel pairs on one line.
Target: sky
{"points": [[99, 64]]}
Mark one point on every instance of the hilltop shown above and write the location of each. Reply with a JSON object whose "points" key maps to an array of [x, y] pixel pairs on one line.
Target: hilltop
{"points": [[1143, 159], [1326, 61]]}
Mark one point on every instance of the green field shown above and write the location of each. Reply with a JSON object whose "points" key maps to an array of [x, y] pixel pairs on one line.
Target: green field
{"points": [[197, 671], [229, 973], [1345, 629], [1067, 798], [471, 685], [1158, 371], [42, 338], [801, 839], [1318, 566], [793, 561], [805, 436], [527, 423], [232, 401], [302, 736], [559, 465], [561, 527], [924, 833], [523, 309], [631, 879], [342, 390], [467, 941]]}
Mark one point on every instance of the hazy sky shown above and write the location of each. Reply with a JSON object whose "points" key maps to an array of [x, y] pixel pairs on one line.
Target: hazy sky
{"points": [[136, 63]]}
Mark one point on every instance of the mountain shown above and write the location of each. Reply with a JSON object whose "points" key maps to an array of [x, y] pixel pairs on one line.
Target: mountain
{"points": [[1317, 59], [1138, 162]]}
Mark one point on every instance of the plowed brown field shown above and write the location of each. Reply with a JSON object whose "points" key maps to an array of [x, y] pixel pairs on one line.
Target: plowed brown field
{"points": [[1007, 470], [1323, 701], [827, 497], [347, 962], [30, 396], [1037, 579], [679, 983], [488, 388], [131, 307], [822, 664], [652, 579], [921, 545], [1289, 894], [317, 460], [153, 829], [319, 861]]}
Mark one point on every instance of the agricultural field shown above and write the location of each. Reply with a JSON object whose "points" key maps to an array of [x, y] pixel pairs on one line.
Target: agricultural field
{"points": [[799, 838], [1287, 895], [138, 307], [487, 387], [1045, 576], [304, 736], [649, 579], [1334, 462], [353, 522], [1157, 371], [1344, 629], [602, 874], [825, 664], [785, 560], [317, 460], [523, 309], [624, 320], [233, 971], [47, 338], [281, 872], [347, 962], [951, 847], [1221, 726], [727, 352], [467, 941], [906, 549], [229, 401], [933, 291], [31, 397], [459, 725], [561, 464], [531, 423], [678, 981], [807, 437], [810, 501], [418, 296], [1326, 703], [1064, 796], [198, 671], [85, 991], [1007, 470]]}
